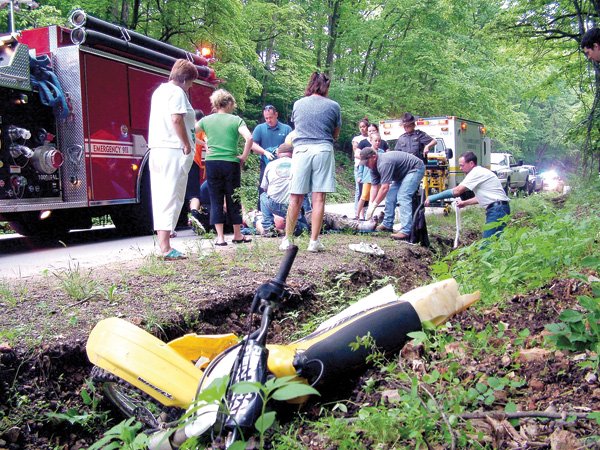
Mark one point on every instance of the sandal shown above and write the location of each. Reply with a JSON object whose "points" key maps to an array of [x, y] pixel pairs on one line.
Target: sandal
{"points": [[174, 255], [243, 240], [221, 244]]}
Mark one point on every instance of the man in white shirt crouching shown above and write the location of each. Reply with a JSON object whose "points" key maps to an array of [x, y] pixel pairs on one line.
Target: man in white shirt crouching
{"points": [[487, 189]]}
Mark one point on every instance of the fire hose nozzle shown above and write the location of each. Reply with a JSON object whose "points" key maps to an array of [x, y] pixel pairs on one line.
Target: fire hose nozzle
{"points": [[15, 132], [17, 150]]}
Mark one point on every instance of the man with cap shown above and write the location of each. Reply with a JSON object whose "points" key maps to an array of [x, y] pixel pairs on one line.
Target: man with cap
{"points": [[395, 176], [487, 189], [415, 142], [276, 193]]}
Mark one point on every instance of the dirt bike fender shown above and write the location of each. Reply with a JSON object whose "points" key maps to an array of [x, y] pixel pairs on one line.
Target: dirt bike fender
{"points": [[193, 346], [144, 361]]}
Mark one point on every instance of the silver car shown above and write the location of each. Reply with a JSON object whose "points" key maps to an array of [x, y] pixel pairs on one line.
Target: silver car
{"points": [[535, 182]]}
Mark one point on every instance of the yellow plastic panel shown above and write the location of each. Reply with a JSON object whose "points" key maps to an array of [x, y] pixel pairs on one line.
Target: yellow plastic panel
{"points": [[144, 361], [194, 346]]}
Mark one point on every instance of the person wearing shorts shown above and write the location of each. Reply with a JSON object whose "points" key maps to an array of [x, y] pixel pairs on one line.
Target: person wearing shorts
{"points": [[317, 122]]}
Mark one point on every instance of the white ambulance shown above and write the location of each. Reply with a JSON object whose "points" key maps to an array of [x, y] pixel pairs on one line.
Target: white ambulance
{"points": [[454, 136]]}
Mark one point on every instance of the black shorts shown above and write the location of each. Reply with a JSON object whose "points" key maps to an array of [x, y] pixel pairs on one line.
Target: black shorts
{"points": [[193, 183]]}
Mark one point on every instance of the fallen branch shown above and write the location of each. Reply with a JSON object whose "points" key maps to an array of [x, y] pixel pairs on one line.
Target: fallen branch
{"points": [[499, 415], [444, 417], [77, 303]]}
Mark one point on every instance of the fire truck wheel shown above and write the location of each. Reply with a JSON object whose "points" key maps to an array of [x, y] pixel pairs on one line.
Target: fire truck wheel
{"points": [[131, 220], [135, 220], [29, 224]]}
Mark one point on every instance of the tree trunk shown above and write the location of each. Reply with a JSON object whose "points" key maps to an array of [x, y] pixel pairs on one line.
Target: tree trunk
{"points": [[135, 14], [332, 26], [124, 17], [267, 64]]}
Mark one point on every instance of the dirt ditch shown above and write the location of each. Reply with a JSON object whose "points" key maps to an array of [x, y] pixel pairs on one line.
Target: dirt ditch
{"points": [[51, 376]]}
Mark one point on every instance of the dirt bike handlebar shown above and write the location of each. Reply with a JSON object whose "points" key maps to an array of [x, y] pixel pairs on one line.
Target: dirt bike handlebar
{"points": [[272, 291], [286, 264], [251, 362]]}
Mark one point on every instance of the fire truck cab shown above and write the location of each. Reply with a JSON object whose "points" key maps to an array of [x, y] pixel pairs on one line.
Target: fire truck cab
{"points": [[74, 116]]}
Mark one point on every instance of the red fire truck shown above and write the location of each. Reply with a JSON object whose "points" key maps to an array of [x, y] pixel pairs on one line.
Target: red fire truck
{"points": [[74, 116]]}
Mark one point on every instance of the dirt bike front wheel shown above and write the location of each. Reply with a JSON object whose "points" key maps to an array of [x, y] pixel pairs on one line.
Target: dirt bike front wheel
{"points": [[132, 402]]}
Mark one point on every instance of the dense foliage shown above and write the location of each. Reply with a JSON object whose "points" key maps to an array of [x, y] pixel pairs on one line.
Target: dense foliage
{"points": [[515, 66], [541, 243]]}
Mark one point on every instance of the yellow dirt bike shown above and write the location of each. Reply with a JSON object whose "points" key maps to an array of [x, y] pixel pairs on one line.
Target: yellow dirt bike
{"points": [[175, 373]]}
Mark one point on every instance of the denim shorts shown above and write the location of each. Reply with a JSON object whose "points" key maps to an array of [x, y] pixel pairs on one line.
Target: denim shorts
{"points": [[313, 169]]}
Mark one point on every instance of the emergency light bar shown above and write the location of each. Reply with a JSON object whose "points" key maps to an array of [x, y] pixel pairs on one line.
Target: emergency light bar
{"points": [[432, 122]]}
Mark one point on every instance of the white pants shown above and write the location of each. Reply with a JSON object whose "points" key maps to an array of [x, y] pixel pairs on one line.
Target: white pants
{"points": [[169, 169]]}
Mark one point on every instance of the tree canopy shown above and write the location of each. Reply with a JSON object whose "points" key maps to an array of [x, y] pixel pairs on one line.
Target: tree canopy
{"points": [[513, 65]]}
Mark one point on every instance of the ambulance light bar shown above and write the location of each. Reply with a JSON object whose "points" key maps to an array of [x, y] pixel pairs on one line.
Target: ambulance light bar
{"points": [[432, 122]]}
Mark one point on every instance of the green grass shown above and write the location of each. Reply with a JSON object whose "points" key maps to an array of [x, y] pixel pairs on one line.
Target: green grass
{"points": [[12, 294], [156, 267], [541, 242], [77, 284]]}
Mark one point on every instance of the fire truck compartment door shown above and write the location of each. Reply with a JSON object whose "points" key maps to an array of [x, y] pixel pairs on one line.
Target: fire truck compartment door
{"points": [[112, 167]]}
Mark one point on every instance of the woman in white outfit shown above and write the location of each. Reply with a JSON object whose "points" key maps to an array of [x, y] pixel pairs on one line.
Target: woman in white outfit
{"points": [[171, 138]]}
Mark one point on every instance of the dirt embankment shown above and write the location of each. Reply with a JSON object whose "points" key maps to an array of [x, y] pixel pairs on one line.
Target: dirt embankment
{"points": [[205, 295], [212, 295]]}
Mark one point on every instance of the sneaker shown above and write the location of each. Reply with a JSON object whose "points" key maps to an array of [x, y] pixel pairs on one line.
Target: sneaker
{"points": [[382, 227], [400, 236], [270, 233], [285, 244], [369, 249], [194, 221], [315, 246]]}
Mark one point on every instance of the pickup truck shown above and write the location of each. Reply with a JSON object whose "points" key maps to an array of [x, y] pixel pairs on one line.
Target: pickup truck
{"points": [[511, 173]]}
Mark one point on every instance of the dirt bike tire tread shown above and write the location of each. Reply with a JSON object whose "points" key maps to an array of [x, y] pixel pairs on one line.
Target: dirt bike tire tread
{"points": [[114, 389]]}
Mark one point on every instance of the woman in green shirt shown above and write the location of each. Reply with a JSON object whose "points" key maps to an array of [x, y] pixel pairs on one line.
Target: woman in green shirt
{"points": [[223, 164]]}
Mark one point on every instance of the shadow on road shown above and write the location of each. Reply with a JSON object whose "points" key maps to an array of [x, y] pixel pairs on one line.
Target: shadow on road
{"points": [[15, 243]]}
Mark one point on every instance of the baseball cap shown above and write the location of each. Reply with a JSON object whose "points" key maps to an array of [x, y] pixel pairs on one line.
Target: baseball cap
{"points": [[365, 154]]}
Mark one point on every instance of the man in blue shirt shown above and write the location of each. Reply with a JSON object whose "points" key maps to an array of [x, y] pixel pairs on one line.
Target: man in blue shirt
{"points": [[268, 137]]}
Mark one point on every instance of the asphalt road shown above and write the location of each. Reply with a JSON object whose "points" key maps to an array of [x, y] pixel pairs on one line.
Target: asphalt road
{"points": [[22, 257]]}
